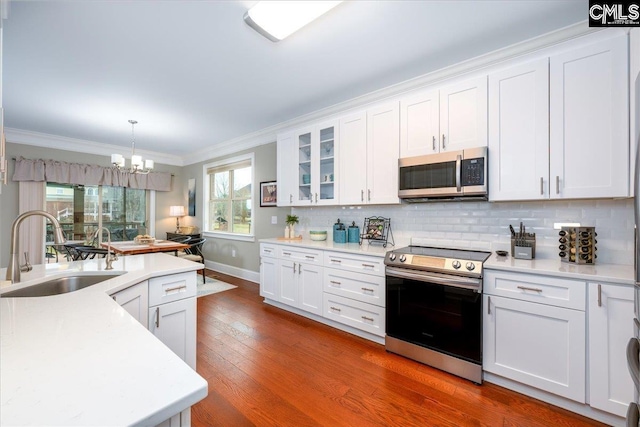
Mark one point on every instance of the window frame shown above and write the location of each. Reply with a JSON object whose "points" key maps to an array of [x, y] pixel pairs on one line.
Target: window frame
{"points": [[230, 235]]}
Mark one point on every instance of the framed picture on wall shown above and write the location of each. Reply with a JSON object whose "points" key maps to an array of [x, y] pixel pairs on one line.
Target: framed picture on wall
{"points": [[268, 194]]}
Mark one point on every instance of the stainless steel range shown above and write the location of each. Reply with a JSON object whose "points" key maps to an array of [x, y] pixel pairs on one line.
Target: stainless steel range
{"points": [[434, 307]]}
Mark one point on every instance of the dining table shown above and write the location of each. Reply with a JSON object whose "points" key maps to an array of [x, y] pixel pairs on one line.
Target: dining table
{"points": [[134, 248]]}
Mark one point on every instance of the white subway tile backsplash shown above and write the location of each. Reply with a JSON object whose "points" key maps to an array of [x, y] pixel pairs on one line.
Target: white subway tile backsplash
{"points": [[485, 226]]}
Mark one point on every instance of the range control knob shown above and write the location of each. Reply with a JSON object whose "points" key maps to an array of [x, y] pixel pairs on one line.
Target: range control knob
{"points": [[456, 264], [392, 256], [403, 258], [470, 266]]}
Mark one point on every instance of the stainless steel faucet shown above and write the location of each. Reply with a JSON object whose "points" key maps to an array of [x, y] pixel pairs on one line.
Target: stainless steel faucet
{"points": [[111, 256], [13, 271]]}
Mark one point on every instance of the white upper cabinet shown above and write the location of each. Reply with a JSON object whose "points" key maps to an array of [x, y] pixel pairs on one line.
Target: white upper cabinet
{"points": [[420, 124], [315, 152], [559, 126], [383, 134], [285, 172], [589, 121], [452, 118], [519, 132], [353, 154], [463, 115], [369, 151]]}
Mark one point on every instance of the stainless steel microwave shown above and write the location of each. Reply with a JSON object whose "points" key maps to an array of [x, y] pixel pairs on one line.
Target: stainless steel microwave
{"points": [[453, 175]]}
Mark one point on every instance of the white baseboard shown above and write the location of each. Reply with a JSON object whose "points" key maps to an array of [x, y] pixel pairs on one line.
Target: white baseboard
{"points": [[240, 273]]}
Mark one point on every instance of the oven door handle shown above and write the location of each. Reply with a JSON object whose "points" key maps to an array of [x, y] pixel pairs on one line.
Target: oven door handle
{"points": [[458, 173], [423, 276]]}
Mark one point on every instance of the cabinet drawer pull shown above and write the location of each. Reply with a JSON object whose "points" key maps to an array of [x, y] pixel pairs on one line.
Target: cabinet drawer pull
{"points": [[290, 198], [335, 309], [177, 288], [362, 195], [433, 144], [316, 197], [443, 142], [268, 251], [286, 253], [368, 195], [367, 289], [336, 260], [557, 184], [599, 295], [157, 317], [309, 257], [368, 265], [294, 268], [370, 319], [489, 306], [333, 282], [524, 288]]}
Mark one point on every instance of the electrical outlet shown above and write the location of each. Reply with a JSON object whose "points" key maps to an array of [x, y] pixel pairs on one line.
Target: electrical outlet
{"points": [[274, 219]]}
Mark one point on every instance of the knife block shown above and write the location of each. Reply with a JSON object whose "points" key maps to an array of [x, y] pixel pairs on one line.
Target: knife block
{"points": [[525, 247], [578, 245]]}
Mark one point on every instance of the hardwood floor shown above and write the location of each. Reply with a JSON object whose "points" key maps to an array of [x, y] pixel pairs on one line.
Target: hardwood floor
{"points": [[269, 367]]}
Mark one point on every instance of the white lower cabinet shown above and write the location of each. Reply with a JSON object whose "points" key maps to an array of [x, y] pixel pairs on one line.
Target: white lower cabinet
{"points": [[135, 300], [610, 326], [539, 345], [172, 319], [300, 285], [314, 281]]}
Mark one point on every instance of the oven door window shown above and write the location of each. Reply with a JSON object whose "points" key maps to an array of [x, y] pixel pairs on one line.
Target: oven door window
{"points": [[435, 175], [443, 318]]}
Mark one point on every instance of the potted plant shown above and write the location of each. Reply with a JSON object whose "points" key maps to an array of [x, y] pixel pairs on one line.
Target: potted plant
{"points": [[291, 221]]}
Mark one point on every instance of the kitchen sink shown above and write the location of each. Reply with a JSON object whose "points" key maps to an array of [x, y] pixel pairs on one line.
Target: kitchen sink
{"points": [[61, 285]]}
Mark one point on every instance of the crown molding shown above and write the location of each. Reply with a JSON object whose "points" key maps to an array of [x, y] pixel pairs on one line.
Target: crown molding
{"points": [[269, 134], [19, 136]]}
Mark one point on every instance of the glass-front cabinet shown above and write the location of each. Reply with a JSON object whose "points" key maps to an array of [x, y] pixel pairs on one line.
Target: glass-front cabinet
{"points": [[316, 176]]}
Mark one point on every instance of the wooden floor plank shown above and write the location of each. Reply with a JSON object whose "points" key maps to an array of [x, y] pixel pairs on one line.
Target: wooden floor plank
{"points": [[269, 367]]}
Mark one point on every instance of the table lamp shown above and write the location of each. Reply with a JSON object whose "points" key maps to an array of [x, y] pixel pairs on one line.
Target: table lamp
{"points": [[177, 211]]}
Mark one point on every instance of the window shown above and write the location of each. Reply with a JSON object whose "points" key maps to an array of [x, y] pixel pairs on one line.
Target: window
{"points": [[229, 197], [82, 209]]}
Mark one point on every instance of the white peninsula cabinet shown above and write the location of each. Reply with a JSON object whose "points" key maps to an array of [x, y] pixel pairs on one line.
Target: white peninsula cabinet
{"points": [[341, 289], [564, 118], [369, 152], [450, 118], [135, 300]]}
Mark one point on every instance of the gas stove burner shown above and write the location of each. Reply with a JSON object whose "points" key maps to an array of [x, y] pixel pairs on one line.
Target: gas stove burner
{"points": [[453, 261]]}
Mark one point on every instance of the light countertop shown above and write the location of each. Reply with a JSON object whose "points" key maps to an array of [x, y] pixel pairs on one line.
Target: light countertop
{"points": [[79, 359], [622, 274], [374, 249]]}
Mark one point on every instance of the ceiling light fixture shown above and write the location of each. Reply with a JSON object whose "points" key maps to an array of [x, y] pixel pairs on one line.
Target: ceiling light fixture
{"points": [[136, 161], [278, 19]]}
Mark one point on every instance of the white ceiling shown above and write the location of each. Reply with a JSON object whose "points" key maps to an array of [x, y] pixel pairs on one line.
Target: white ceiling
{"points": [[195, 75]]}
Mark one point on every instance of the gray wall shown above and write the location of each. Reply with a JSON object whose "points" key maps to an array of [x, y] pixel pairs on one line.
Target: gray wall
{"points": [[247, 254], [9, 196]]}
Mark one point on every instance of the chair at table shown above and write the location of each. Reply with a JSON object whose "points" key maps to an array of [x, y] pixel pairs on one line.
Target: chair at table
{"points": [[90, 252], [194, 253], [180, 239]]}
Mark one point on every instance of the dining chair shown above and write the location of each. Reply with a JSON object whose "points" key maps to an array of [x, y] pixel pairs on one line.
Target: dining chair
{"points": [[194, 253]]}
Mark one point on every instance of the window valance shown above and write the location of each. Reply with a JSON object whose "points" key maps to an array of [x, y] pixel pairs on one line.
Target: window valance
{"points": [[82, 174]]}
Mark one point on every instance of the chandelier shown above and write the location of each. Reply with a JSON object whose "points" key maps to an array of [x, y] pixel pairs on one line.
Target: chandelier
{"points": [[136, 161]]}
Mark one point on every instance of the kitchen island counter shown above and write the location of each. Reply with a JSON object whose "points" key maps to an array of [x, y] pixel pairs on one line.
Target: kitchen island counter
{"points": [[79, 359]]}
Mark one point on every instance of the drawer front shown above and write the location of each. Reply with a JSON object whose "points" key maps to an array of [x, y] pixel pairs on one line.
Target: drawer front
{"points": [[367, 317], [541, 289], [361, 287], [172, 288], [268, 250], [357, 263], [309, 256]]}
